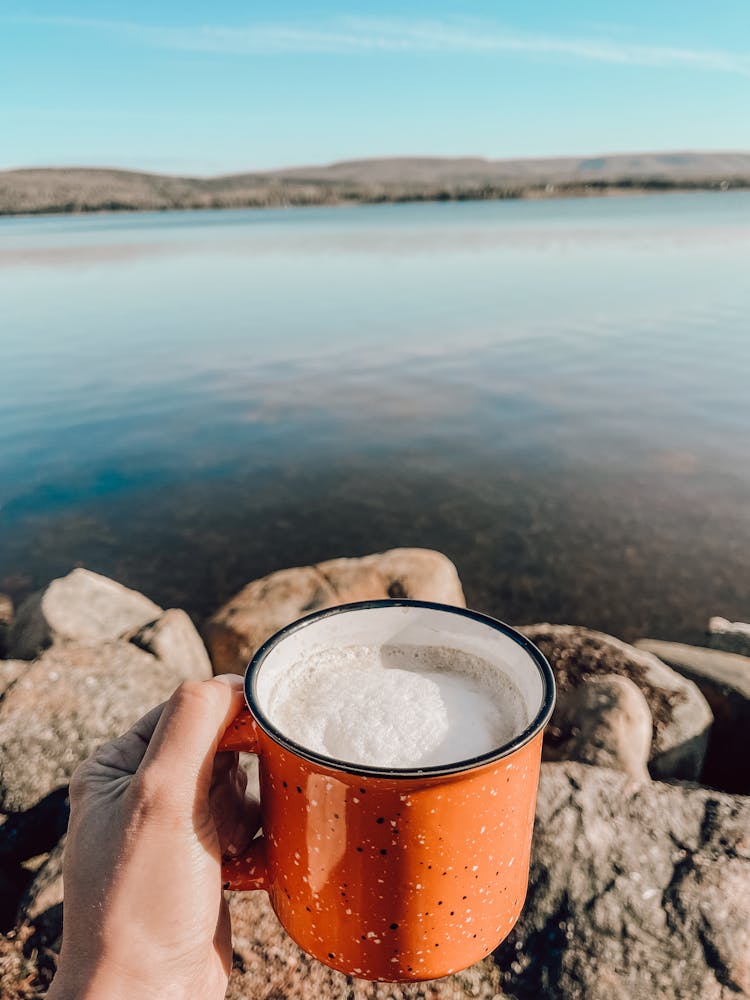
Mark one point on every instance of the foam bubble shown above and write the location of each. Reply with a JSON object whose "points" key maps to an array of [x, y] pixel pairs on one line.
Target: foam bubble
{"points": [[397, 706]]}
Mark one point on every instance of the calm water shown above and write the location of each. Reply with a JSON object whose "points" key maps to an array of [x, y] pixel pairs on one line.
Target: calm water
{"points": [[556, 394]]}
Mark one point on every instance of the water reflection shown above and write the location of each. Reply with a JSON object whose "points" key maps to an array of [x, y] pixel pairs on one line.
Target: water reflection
{"points": [[553, 393]]}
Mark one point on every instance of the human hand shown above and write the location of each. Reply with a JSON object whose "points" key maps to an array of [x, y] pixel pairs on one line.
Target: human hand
{"points": [[152, 813]]}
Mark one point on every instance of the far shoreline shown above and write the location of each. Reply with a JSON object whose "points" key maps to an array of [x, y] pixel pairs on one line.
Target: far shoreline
{"points": [[548, 192], [78, 190]]}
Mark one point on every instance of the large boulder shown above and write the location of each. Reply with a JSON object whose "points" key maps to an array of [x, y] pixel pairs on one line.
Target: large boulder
{"points": [[68, 702], [635, 892], [724, 679], [681, 717], [732, 637], [172, 638], [81, 607], [604, 722], [264, 606]]}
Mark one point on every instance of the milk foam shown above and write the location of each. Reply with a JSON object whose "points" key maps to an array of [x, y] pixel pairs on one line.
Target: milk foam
{"points": [[397, 706]]}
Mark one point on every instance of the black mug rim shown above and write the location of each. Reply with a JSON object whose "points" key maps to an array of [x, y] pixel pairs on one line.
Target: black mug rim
{"points": [[536, 725]]}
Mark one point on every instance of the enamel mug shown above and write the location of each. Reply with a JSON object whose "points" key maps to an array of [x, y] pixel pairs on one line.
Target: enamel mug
{"points": [[393, 874]]}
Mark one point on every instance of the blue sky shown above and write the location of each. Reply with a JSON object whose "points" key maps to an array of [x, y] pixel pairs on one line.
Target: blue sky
{"points": [[208, 88]]}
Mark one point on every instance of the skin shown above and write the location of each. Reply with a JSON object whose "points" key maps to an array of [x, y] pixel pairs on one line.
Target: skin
{"points": [[152, 814]]}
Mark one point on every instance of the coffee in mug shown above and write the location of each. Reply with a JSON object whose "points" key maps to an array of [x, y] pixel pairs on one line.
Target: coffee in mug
{"points": [[398, 706]]}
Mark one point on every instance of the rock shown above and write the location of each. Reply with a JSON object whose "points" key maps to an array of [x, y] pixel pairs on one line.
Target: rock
{"points": [[83, 607], [264, 606], [78, 697], [732, 637], [173, 639], [606, 722], [634, 893], [680, 714], [724, 679], [269, 966], [10, 671], [6, 620]]}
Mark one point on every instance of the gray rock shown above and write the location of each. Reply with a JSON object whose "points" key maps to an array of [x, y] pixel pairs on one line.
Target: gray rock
{"points": [[732, 637], [634, 893], [6, 620], [82, 607], [606, 722], [68, 702], [264, 606], [680, 714], [174, 639], [724, 679], [10, 671]]}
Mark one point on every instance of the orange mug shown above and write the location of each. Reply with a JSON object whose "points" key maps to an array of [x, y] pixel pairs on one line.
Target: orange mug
{"points": [[393, 874]]}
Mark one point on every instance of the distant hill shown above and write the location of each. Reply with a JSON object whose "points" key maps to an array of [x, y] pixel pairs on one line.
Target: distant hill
{"points": [[83, 189]]}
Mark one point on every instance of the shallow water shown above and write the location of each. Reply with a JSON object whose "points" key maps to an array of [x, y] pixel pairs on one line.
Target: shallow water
{"points": [[554, 393]]}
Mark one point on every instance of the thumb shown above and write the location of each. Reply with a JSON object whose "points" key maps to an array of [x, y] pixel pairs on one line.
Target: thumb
{"points": [[184, 742]]}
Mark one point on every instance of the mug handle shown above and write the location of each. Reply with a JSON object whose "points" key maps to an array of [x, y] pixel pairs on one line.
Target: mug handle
{"points": [[250, 871]]}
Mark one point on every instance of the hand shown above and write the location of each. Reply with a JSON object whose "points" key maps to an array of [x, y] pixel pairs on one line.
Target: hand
{"points": [[152, 813]]}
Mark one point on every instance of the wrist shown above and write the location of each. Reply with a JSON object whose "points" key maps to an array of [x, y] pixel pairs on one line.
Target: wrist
{"points": [[99, 984]]}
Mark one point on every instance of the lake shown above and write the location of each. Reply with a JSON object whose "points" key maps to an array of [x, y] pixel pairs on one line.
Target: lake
{"points": [[554, 393]]}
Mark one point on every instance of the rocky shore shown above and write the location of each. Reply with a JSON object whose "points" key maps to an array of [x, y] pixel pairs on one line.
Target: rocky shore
{"points": [[640, 880]]}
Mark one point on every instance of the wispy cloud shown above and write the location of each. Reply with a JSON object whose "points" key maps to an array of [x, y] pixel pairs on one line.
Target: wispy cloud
{"points": [[363, 35]]}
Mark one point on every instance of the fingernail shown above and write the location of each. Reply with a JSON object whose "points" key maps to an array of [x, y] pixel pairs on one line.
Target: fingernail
{"points": [[233, 680]]}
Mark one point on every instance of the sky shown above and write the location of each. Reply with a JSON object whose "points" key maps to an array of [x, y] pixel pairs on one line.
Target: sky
{"points": [[207, 88]]}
